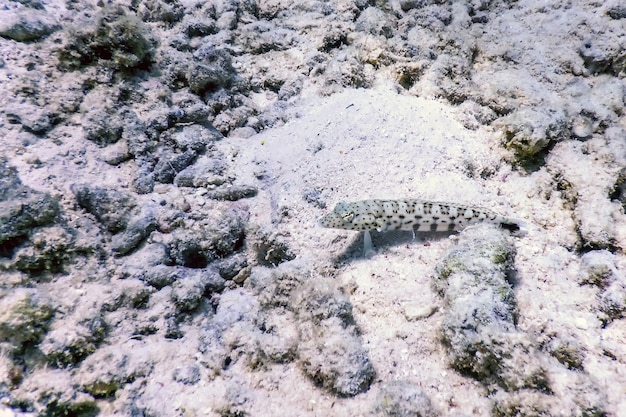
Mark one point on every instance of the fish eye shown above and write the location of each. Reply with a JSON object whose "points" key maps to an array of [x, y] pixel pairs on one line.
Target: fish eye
{"points": [[348, 216]]}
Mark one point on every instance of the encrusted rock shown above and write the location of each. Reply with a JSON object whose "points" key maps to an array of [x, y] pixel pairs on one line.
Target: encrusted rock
{"points": [[22, 210], [478, 325], [170, 164], [598, 268], [137, 229], [334, 358], [111, 207], [402, 399], [206, 171], [188, 290], [27, 24], [67, 343], [25, 316], [211, 70], [218, 236], [109, 368], [117, 37], [330, 351], [232, 192], [529, 132], [50, 249]]}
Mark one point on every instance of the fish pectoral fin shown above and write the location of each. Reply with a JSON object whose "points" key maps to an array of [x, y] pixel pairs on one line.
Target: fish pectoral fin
{"points": [[368, 248]]}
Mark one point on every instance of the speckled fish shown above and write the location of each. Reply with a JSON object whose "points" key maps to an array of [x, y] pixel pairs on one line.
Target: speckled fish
{"points": [[409, 214]]}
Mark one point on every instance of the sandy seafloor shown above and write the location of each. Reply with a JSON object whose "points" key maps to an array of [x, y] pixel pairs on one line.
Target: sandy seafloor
{"points": [[517, 108]]}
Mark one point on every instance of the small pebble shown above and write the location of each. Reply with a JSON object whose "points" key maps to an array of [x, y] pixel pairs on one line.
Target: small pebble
{"points": [[581, 323], [417, 311]]}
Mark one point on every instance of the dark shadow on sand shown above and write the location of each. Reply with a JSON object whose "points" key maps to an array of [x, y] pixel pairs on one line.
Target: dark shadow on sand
{"points": [[382, 241]]}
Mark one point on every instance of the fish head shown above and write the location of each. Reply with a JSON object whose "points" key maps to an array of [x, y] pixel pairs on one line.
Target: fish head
{"points": [[340, 218]]}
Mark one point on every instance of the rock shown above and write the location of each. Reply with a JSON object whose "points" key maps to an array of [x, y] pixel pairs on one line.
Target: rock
{"points": [[25, 316], [529, 132], [598, 268], [139, 227], [117, 38], [50, 250], [143, 182], [109, 368], [478, 324], [169, 165], [104, 121], [602, 53], [68, 343], [206, 171], [271, 248], [53, 392], [402, 399], [263, 36], [187, 374], [116, 154], [188, 108], [161, 11], [10, 183], [111, 207], [233, 193], [375, 22], [194, 137], [217, 237], [211, 70], [188, 290], [26, 25], [231, 266], [18, 216], [330, 352], [334, 358], [33, 119]]}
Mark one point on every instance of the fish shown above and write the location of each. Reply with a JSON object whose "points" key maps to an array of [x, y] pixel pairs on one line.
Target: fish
{"points": [[410, 214]]}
